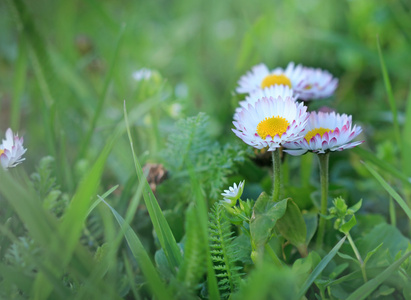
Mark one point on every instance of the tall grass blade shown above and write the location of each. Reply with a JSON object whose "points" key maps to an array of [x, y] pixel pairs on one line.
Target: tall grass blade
{"points": [[390, 95], [164, 233], [103, 96], [319, 268], [390, 190], [202, 213], [156, 284], [366, 289], [406, 141], [369, 156]]}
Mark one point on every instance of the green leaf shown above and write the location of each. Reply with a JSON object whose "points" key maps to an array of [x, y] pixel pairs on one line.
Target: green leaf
{"points": [[346, 227], [371, 253], [353, 209], [265, 216], [157, 286], [390, 190], [311, 222], [164, 233], [292, 226], [320, 267], [366, 289], [348, 257]]}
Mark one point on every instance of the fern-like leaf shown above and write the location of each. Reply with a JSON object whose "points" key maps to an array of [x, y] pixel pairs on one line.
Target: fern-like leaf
{"points": [[222, 252]]}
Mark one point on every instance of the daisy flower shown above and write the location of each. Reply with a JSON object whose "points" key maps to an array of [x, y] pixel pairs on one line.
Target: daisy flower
{"points": [[326, 132], [307, 83], [11, 150], [234, 192], [271, 122], [273, 91]]}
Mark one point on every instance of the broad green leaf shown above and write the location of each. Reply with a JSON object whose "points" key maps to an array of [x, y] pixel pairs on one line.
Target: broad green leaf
{"points": [[157, 286], [346, 227], [266, 213], [390, 190], [292, 226], [164, 233], [366, 289], [268, 282], [311, 222], [320, 267], [302, 267]]}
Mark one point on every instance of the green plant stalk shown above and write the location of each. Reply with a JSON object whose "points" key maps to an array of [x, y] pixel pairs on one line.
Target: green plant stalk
{"points": [[277, 175], [323, 159], [358, 255], [393, 216]]}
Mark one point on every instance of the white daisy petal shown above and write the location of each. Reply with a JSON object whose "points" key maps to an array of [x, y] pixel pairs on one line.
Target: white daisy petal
{"points": [[325, 132], [11, 150], [306, 83], [271, 122]]}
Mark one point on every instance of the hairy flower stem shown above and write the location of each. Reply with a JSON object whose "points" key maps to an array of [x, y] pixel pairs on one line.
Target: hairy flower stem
{"points": [[357, 254], [324, 159], [277, 174]]}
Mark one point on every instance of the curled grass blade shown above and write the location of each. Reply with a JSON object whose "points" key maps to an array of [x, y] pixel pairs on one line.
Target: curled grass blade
{"points": [[320, 267], [156, 284], [390, 190], [366, 289]]}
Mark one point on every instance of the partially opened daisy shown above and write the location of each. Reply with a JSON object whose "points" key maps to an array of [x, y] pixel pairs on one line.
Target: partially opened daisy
{"points": [[326, 132], [307, 83], [273, 91], [271, 122], [11, 150], [233, 193]]}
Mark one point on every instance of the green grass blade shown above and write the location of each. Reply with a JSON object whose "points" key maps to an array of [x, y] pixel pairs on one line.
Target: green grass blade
{"points": [[319, 268], [406, 141], [390, 95], [202, 213], [156, 284], [73, 221], [366, 289], [164, 233], [103, 96], [369, 156], [390, 190]]}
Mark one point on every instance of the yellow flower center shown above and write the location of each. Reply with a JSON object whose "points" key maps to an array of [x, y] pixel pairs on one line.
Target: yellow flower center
{"points": [[272, 126], [316, 131], [275, 79], [1, 151]]}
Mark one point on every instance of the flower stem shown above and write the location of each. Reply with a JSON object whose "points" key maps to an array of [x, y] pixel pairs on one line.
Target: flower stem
{"points": [[323, 158], [277, 174], [357, 254]]}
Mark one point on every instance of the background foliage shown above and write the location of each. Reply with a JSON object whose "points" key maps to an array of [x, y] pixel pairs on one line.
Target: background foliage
{"points": [[66, 70]]}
